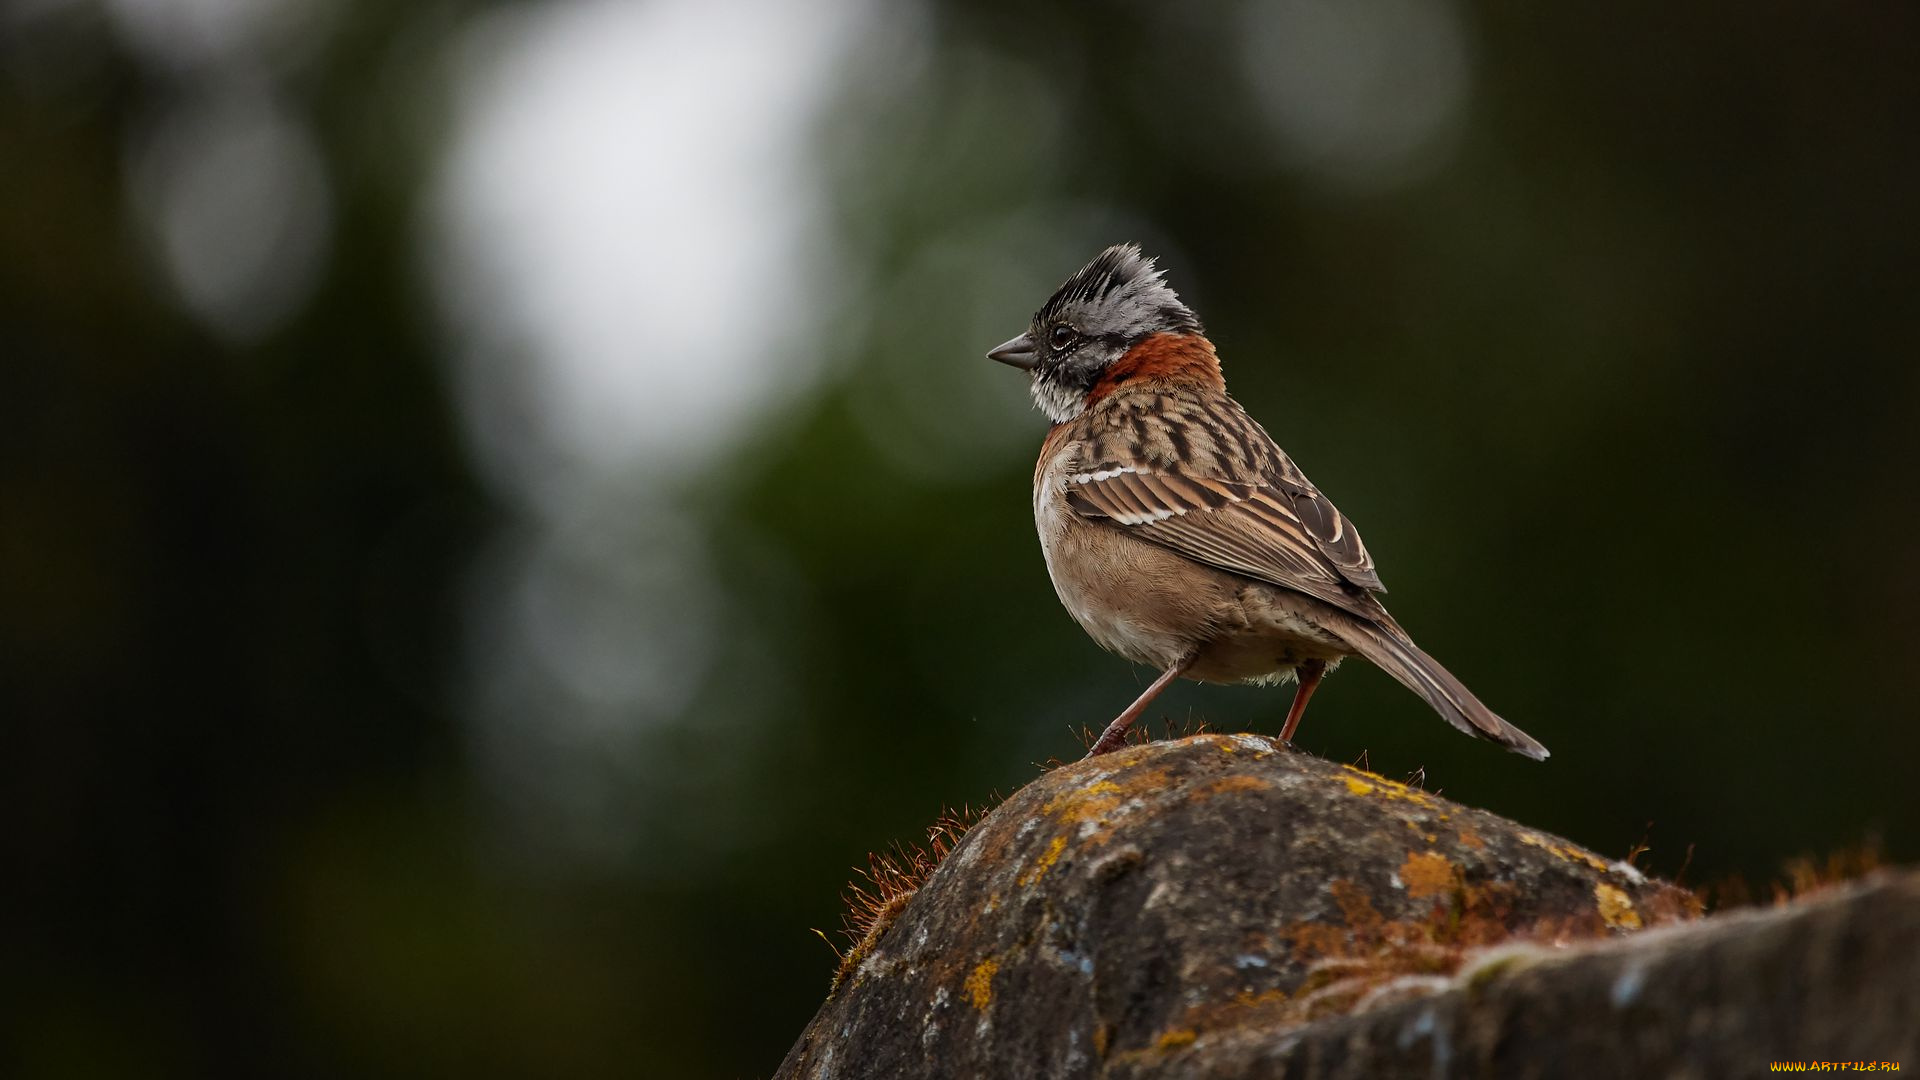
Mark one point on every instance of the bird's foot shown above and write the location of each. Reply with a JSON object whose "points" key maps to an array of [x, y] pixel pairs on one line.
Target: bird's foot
{"points": [[1110, 740]]}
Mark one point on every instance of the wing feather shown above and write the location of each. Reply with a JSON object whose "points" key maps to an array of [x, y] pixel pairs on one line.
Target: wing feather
{"points": [[1248, 529], [1336, 536], [1193, 472]]}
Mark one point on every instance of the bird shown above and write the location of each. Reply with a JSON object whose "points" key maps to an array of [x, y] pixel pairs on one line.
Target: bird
{"points": [[1176, 531]]}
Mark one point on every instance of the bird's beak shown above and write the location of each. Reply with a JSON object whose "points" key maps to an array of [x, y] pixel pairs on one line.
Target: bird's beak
{"points": [[1018, 353]]}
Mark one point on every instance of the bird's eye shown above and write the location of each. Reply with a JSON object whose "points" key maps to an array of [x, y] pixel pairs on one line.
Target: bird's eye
{"points": [[1061, 337]]}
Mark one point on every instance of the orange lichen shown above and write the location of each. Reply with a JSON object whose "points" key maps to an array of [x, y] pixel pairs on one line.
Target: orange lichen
{"points": [[1428, 873], [1228, 784], [979, 987], [1316, 939], [1356, 907]]}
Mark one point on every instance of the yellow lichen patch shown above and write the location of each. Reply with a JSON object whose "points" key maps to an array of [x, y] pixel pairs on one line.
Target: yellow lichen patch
{"points": [[1102, 1035], [1472, 839], [1362, 782], [1095, 788], [1094, 799], [1616, 908], [1045, 862], [1427, 873], [979, 988], [1092, 804], [1565, 851], [1176, 1038], [1228, 784]]}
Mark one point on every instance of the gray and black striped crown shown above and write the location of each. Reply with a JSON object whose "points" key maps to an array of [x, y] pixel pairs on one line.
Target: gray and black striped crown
{"points": [[1123, 282]]}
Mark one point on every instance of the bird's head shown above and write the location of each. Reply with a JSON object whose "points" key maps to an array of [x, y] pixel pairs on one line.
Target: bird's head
{"points": [[1098, 316]]}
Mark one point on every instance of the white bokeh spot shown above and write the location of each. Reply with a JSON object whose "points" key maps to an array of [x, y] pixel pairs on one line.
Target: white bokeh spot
{"points": [[1365, 94], [625, 228]]}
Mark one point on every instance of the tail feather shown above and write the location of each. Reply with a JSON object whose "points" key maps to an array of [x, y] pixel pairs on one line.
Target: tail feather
{"points": [[1423, 675]]}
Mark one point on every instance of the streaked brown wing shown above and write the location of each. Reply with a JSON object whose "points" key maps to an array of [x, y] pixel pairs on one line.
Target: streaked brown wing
{"points": [[1251, 529], [1338, 540]]}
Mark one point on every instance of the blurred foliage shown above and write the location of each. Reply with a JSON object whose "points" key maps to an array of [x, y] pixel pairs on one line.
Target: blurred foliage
{"points": [[1620, 381]]}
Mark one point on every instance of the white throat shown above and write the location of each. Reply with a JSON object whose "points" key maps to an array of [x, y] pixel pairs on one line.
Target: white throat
{"points": [[1060, 403]]}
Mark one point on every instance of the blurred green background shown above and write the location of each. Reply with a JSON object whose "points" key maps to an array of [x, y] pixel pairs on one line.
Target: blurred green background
{"points": [[504, 505]]}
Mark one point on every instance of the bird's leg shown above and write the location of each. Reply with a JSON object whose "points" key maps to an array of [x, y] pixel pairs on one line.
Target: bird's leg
{"points": [[1309, 675], [1116, 734]]}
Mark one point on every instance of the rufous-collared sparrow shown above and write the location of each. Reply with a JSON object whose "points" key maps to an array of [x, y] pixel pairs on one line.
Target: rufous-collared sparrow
{"points": [[1177, 534]]}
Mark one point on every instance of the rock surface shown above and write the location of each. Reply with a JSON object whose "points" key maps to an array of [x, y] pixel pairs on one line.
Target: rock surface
{"points": [[1219, 907], [1833, 980]]}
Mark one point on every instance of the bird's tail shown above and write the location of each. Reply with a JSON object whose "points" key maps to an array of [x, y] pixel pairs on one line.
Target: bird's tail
{"points": [[1423, 675]]}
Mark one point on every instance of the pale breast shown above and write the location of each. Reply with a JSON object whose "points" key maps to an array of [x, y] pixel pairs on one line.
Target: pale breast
{"points": [[1134, 598], [1154, 606]]}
